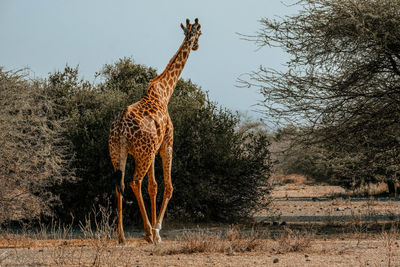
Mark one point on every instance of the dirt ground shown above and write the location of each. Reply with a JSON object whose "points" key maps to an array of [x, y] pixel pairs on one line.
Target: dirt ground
{"points": [[309, 203], [373, 251], [276, 240]]}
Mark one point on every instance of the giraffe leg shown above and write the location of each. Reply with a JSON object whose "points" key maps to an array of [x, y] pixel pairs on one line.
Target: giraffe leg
{"points": [[121, 236], [136, 185], [119, 189], [152, 187], [166, 155]]}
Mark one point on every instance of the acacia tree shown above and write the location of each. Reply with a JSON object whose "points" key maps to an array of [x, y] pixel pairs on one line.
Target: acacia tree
{"points": [[342, 83], [33, 154]]}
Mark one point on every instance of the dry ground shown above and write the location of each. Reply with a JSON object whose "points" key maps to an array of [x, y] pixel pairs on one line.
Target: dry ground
{"points": [[301, 201], [372, 251], [350, 242]]}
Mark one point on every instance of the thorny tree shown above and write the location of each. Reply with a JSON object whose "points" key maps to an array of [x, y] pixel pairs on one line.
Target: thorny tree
{"points": [[342, 83], [33, 155]]}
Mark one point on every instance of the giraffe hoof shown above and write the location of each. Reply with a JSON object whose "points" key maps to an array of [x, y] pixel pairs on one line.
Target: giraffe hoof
{"points": [[156, 236], [121, 240], [157, 240], [149, 238]]}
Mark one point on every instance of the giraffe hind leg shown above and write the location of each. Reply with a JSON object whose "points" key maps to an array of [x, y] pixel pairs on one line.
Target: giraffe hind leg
{"points": [[118, 158], [121, 235], [117, 179]]}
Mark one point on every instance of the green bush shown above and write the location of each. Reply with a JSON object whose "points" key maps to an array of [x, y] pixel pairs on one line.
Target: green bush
{"points": [[217, 172]]}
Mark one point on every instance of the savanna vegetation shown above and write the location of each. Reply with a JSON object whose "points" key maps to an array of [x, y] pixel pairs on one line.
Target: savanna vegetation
{"points": [[336, 106], [55, 160]]}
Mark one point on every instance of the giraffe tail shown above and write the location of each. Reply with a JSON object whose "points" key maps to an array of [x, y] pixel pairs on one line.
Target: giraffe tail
{"points": [[118, 181]]}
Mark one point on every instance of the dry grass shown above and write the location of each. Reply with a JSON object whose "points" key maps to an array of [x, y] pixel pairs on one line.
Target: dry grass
{"points": [[204, 241], [96, 245], [279, 179], [249, 247], [370, 190], [236, 240], [389, 240], [294, 241], [61, 249]]}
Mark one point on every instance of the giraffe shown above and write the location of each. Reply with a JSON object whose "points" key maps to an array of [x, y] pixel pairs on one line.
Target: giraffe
{"points": [[144, 129]]}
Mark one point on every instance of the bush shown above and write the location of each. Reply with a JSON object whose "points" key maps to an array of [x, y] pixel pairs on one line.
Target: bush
{"points": [[224, 169], [293, 157], [218, 173], [87, 112], [33, 154]]}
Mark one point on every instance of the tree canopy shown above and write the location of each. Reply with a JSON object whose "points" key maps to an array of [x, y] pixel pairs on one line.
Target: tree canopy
{"points": [[341, 85]]}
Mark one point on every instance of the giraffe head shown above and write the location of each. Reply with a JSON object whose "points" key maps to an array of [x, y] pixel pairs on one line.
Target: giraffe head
{"points": [[192, 32]]}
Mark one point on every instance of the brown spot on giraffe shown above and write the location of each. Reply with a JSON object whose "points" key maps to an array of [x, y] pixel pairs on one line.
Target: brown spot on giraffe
{"points": [[143, 129]]}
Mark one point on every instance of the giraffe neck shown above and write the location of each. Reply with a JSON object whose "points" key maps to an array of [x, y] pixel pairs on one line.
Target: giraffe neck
{"points": [[164, 84]]}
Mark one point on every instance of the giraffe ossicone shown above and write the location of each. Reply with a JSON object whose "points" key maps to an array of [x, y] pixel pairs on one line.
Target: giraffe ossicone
{"points": [[144, 129]]}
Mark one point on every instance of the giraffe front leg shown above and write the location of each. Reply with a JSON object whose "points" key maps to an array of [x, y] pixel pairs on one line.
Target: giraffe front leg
{"points": [[152, 187], [166, 155]]}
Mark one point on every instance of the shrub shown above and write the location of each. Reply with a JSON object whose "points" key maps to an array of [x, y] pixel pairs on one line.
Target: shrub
{"points": [[33, 155], [218, 173]]}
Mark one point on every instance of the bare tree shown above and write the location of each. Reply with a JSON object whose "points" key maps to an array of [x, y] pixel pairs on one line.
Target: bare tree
{"points": [[33, 156], [342, 83]]}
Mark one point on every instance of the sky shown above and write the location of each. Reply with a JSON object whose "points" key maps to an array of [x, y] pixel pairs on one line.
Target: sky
{"points": [[45, 35]]}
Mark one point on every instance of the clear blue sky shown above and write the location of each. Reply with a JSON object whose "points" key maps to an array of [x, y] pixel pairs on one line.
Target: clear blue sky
{"points": [[45, 35]]}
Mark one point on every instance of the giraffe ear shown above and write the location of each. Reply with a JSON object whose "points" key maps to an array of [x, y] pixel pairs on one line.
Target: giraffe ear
{"points": [[184, 29]]}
